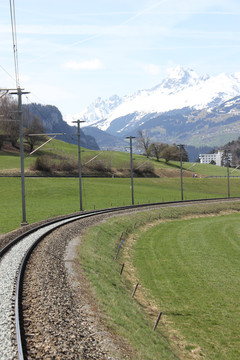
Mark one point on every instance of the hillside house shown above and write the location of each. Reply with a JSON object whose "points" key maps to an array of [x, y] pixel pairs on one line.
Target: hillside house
{"points": [[218, 158]]}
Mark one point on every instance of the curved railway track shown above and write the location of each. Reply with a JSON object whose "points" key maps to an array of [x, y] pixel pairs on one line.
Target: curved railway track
{"points": [[13, 260]]}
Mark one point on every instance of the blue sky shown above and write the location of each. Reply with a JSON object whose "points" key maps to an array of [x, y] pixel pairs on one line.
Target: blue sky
{"points": [[71, 52]]}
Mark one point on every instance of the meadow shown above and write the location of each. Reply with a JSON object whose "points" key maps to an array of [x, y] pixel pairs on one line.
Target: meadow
{"points": [[191, 268], [47, 197], [50, 197], [186, 261]]}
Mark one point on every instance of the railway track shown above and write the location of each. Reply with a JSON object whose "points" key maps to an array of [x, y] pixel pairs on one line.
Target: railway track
{"points": [[13, 260]]}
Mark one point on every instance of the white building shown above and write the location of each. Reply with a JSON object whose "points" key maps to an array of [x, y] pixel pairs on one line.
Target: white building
{"points": [[217, 158]]}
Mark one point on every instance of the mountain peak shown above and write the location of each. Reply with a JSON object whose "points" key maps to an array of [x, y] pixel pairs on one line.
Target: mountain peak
{"points": [[178, 73], [178, 76], [182, 88]]}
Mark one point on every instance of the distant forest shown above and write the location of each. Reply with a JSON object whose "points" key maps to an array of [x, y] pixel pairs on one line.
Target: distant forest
{"points": [[234, 148]]}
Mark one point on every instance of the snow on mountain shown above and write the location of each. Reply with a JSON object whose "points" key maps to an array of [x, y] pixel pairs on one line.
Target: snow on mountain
{"points": [[182, 88], [98, 110]]}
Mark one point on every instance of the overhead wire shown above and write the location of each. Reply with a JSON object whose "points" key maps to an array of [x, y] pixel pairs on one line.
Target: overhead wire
{"points": [[14, 39], [7, 72]]}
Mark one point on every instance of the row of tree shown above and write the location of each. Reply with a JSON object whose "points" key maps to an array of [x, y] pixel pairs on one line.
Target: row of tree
{"points": [[234, 148], [172, 152], [9, 124], [159, 150]]}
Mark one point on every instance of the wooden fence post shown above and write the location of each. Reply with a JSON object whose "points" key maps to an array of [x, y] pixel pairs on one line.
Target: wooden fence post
{"points": [[135, 290], [159, 317]]}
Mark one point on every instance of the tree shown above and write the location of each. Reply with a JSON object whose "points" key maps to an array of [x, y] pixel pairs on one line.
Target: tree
{"points": [[166, 153], [172, 152], [143, 142], [9, 124], [1, 141], [156, 148], [35, 126], [184, 154]]}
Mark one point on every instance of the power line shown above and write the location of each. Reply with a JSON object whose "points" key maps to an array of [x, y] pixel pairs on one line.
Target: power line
{"points": [[14, 39], [7, 72]]}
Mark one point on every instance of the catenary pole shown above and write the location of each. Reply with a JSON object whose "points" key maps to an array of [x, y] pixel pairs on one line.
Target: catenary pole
{"points": [[19, 93], [20, 114], [181, 147], [79, 162], [228, 173], [131, 165]]}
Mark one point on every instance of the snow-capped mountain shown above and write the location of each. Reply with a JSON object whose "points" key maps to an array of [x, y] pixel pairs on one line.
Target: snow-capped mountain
{"points": [[181, 89], [98, 110]]}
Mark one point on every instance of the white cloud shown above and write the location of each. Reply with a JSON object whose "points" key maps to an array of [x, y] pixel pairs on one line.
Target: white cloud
{"points": [[152, 69], [93, 64]]}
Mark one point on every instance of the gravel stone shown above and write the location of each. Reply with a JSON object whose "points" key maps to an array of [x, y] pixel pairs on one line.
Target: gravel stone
{"points": [[9, 265], [61, 319]]}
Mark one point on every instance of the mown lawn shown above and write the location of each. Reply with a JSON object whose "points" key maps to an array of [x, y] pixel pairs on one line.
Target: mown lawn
{"points": [[12, 161], [191, 268]]}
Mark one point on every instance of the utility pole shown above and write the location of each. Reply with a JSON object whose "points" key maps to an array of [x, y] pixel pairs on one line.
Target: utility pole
{"points": [[79, 162], [181, 147], [19, 93], [131, 165], [227, 157]]}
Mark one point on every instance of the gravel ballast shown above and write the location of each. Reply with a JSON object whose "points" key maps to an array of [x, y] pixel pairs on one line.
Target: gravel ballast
{"points": [[9, 265], [61, 319]]}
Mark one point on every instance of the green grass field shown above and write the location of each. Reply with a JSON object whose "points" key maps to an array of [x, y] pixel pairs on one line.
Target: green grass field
{"points": [[191, 268], [187, 269], [49, 197], [12, 161]]}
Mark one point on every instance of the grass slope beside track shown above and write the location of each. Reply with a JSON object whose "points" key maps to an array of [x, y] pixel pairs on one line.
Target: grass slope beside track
{"points": [[191, 268], [186, 260]]}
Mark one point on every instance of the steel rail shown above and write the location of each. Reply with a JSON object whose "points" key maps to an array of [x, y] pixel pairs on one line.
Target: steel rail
{"points": [[100, 211], [20, 335], [61, 222]]}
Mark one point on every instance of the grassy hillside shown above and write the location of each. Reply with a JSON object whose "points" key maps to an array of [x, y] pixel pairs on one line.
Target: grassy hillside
{"points": [[115, 160]]}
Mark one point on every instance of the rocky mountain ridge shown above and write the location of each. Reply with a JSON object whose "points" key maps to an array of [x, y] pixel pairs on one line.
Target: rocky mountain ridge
{"points": [[184, 107], [53, 122], [182, 88]]}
